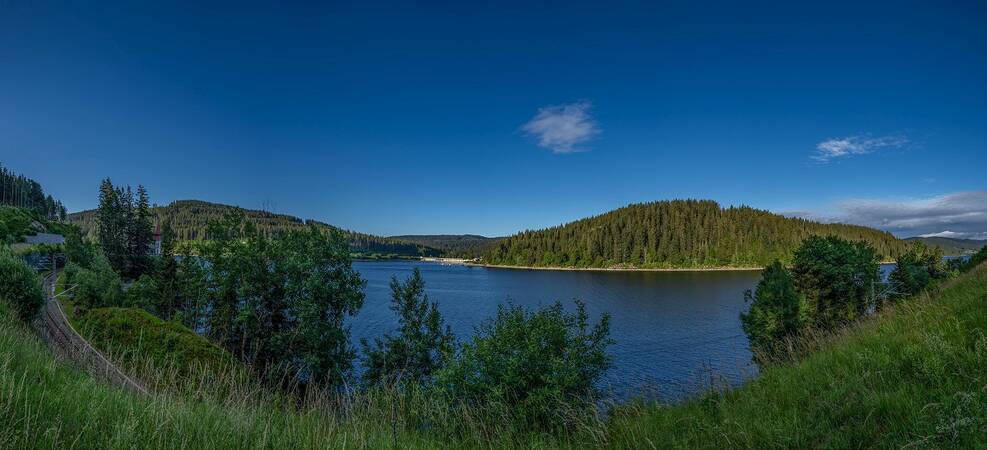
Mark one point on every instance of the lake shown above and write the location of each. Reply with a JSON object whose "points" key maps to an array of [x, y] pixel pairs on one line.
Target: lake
{"points": [[674, 332]]}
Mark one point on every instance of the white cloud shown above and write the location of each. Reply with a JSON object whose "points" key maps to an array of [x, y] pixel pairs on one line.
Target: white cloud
{"points": [[561, 128], [959, 214], [855, 145]]}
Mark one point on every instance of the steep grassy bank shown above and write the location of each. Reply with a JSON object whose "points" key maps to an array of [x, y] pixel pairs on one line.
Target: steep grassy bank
{"points": [[915, 375], [44, 403]]}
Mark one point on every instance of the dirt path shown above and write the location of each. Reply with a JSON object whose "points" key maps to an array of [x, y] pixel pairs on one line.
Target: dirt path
{"points": [[62, 339]]}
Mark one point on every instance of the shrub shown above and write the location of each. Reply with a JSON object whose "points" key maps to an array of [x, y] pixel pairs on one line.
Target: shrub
{"points": [[837, 277], [280, 304], [537, 364], [422, 341], [20, 286], [976, 259], [916, 269], [777, 310], [142, 293], [15, 223], [95, 287]]}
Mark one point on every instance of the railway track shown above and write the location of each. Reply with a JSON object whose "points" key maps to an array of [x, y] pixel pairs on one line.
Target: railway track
{"points": [[67, 343]]}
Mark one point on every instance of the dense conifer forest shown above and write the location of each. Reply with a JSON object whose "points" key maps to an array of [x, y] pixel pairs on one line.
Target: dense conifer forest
{"points": [[190, 221], [677, 233], [453, 245], [23, 192]]}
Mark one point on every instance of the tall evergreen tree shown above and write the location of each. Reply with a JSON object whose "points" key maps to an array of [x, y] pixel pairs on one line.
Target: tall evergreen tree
{"points": [[111, 231]]}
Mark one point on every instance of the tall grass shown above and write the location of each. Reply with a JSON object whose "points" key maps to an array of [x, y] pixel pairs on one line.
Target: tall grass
{"points": [[914, 375], [46, 404]]}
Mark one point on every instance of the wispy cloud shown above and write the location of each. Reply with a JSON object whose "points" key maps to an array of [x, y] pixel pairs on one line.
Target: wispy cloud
{"points": [[561, 128], [855, 145], [959, 215]]}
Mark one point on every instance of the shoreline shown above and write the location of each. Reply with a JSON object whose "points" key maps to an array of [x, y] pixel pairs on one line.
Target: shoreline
{"points": [[621, 269]]}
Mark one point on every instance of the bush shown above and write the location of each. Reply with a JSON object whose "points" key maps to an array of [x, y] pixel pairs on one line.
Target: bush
{"points": [[915, 270], [538, 365], [15, 223], [777, 310], [976, 259], [422, 341], [142, 293], [20, 286], [95, 287], [837, 277]]}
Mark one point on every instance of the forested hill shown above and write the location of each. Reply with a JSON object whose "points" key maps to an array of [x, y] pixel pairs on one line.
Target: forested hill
{"points": [[952, 246], [677, 233], [22, 192], [190, 220], [454, 245]]}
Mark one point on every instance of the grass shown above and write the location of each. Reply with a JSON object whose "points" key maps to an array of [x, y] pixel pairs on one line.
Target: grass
{"points": [[137, 333], [15, 223], [914, 375]]}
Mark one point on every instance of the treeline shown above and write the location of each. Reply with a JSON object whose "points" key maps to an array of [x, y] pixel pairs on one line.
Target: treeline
{"points": [[190, 219], [125, 228], [677, 233], [453, 245], [23, 192], [282, 305], [831, 283]]}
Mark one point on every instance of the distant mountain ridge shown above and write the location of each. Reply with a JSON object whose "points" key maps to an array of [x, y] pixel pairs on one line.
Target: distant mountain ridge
{"points": [[951, 246], [676, 234], [190, 220]]}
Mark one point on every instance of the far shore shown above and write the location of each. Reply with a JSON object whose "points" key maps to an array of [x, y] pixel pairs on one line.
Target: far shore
{"points": [[622, 269], [627, 269]]}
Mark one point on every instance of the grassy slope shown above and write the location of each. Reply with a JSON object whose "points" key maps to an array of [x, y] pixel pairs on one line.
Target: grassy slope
{"points": [[46, 404], [136, 337], [914, 375]]}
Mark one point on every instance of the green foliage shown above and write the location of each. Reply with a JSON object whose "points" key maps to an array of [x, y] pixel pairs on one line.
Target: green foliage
{"points": [[124, 228], [837, 278], [916, 269], [134, 334], [279, 305], [20, 286], [977, 259], [422, 341], [911, 377], [78, 250], [678, 233], [777, 310], [142, 293], [190, 221], [96, 286], [453, 245], [15, 223], [22, 192], [537, 364]]}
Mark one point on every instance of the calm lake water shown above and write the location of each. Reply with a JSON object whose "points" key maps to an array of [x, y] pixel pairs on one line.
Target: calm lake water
{"points": [[673, 331]]}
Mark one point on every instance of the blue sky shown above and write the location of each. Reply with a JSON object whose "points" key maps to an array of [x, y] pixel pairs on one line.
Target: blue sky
{"points": [[395, 118]]}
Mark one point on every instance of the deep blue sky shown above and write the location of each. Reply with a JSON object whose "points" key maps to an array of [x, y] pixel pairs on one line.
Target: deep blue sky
{"points": [[403, 118]]}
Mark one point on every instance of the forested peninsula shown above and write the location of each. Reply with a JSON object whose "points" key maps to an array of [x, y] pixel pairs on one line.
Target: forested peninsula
{"points": [[676, 234]]}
